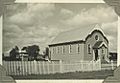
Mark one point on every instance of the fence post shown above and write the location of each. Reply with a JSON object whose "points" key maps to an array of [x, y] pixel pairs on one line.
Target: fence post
{"points": [[14, 67], [53, 67], [35, 65], [32, 67], [23, 67], [112, 65], [82, 66], [100, 64], [48, 67], [43, 68], [93, 65], [40, 69], [29, 69], [61, 68]]}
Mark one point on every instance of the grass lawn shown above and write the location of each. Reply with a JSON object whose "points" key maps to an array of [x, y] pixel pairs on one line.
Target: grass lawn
{"points": [[71, 75]]}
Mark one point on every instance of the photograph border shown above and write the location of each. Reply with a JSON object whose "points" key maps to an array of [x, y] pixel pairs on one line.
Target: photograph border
{"points": [[109, 2]]}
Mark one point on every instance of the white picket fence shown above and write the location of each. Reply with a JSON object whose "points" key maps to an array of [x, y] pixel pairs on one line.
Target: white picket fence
{"points": [[45, 67], [109, 66]]}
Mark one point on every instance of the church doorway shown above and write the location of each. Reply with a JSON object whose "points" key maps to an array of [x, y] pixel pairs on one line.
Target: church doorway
{"points": [[96, 54]]}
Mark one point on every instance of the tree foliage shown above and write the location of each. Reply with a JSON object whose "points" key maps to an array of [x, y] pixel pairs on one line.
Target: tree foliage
{"points": [[14, 52], [32, 51]]}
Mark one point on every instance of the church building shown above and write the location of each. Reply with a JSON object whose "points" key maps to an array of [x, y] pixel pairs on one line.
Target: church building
{"points": [[81, 44]]}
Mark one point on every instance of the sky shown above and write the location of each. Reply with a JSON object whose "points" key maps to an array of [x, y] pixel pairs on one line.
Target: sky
{"points": [[38, 24]]}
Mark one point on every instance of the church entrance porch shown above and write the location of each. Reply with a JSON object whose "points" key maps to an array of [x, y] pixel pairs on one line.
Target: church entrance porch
{"points": [[100, 51]]}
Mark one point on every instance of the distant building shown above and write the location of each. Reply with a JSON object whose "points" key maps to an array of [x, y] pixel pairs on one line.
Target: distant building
{"points": [[24, 56], [113, 56], [86, 44]]}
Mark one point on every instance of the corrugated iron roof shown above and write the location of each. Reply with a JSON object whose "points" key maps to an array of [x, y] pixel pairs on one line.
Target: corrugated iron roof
{"points": [[75, 34]]}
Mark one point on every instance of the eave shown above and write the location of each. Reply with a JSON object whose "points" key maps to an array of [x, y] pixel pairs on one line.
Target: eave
{"points": [[67, 43]]}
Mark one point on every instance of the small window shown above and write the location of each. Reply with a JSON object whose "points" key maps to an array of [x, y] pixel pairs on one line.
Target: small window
{"points": [[96, 37], [89, 49]]}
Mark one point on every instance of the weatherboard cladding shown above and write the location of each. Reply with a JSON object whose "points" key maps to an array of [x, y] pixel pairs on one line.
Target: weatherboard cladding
{"points": [[81, 36], [74, 55]]}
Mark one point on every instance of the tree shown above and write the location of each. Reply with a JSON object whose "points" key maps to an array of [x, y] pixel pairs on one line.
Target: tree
{"points": [[24, 48], [33, 51], [16, 48], [14, 52]]}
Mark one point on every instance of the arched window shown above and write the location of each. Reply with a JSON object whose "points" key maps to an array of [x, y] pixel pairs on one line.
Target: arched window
{"points": [[89, 49], [96, 37]]}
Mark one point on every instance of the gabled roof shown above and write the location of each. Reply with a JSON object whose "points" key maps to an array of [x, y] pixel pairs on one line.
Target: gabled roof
{"points": [[78, 34], [97, 44]]}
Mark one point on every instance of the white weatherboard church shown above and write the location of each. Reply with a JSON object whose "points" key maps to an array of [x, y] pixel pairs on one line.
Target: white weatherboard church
{"points": [[81, 44]]}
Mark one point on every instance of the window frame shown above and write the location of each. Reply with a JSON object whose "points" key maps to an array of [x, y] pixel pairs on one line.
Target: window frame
{"points": [[78, 48], [96, 36], [63, 49], [58, 50], [89, 48], [70, 48]]}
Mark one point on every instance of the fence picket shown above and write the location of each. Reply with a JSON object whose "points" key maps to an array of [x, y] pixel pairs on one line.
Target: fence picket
{"points": [[33, 67], [52, 67], [48, 68], [11, 67], [44, 67], [61, 67], [39, 68]]}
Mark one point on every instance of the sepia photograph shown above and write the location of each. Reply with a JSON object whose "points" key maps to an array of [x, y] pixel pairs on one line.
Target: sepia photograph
{"points": [[59, 41]]}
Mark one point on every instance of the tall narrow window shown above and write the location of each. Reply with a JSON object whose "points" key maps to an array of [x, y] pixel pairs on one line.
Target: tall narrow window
{"points": [[63, 49], [53, 50], [78, 48], [70, 49], [89, 49], [58, 50]]}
